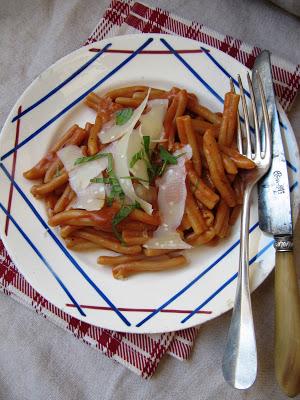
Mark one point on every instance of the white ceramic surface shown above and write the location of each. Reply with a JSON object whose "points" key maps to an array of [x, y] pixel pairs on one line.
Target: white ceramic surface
{"points": [[65, 277]]}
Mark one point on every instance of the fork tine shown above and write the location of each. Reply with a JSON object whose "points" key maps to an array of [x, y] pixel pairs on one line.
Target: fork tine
{"points": [[257, 148], [239, 128], [267, 150], [239, 134], [246, 117], [232, 88]]}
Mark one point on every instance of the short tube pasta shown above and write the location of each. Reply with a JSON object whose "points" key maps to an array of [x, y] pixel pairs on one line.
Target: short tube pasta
{"points": [[120, 223]]}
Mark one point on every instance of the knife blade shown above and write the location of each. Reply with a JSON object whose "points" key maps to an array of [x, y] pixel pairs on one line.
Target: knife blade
{"points": [[275, 217], [274, 203]]}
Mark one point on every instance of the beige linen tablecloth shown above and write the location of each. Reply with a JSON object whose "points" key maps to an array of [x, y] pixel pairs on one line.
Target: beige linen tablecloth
{"points": [[37, 359]]}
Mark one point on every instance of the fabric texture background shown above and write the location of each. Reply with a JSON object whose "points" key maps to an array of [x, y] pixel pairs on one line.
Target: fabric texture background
{"points": [[39, 360], [293, 6]]}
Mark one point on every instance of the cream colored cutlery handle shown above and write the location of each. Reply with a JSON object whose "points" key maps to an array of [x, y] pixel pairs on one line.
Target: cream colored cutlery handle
{"points": [[287, 324]]}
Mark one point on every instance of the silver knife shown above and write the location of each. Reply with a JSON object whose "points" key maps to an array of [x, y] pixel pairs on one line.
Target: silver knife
{"points": [[275, 217]]}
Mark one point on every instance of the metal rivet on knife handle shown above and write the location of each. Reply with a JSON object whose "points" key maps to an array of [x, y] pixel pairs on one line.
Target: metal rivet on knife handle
{"points": [[283, 243]]}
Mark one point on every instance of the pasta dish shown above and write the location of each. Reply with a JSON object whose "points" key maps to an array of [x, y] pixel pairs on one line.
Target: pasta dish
{"points": [[156, 173]]}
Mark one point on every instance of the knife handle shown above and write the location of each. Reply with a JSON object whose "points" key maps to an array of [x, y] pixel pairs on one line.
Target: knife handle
{"points": [[287, 321]]}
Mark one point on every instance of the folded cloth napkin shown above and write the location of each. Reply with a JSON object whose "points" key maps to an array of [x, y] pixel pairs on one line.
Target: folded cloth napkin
{"points": [[140, 352]]}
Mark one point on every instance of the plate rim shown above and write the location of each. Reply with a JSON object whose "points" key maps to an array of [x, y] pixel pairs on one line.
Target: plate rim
{"points": [[133, 328]]}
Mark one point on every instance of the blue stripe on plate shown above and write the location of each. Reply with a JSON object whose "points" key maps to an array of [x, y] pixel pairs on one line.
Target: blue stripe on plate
{"points": [[290, 165], [207, 86], [62, 84], [225, 72], [191, 69], [63, 249], [225, 284], [196, 279], [71, 105], [294, 185], [38, 253], [282, 124]]}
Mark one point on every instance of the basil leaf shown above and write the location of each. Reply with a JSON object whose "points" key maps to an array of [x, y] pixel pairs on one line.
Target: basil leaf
{"points": [[180, 155], [111, 181], [166, 156], [162, 169], [153, 171], [136, 157], [122, 116], [122, 214], [116, 193], [116, 190], [134, 178], [146, 142], [82, 160], [110, 162]]}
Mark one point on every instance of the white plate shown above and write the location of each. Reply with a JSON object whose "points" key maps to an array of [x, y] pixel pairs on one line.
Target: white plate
{"points": [[65, 277]]}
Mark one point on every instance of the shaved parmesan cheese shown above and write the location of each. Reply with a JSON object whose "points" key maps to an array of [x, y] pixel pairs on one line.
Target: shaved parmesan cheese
{"points": [[151, 125], [122, 170], [135, 145], [152, 122], [111, 132], [80, 175], [90, 196], [171, 203], [68, 155], [163, 238]]}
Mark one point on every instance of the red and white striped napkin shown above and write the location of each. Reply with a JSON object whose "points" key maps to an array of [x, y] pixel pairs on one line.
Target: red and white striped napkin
{"points": [[142, 353]]}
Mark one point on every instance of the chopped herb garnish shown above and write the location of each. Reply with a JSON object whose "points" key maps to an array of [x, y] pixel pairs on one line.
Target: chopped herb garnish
{"points": [[110, 162], [152, 169], [82, 160], [124, 211], [136, 157], [122, 116], [180, 155], [166, 156], [111, 181], [144, 154], [134, 178], [116, 190], [146, 143], [162, 169]]}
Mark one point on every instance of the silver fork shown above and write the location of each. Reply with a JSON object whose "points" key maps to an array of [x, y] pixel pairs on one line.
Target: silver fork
{"points": [[240, 357]]}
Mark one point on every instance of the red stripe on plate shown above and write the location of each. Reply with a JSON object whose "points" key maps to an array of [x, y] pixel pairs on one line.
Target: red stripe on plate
{"points": [[11, 188], [138, 309], [96, 50]]}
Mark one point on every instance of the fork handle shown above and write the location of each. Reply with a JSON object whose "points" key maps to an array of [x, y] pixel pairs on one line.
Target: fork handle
{"points": [[287, 323], [240, 357]]}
